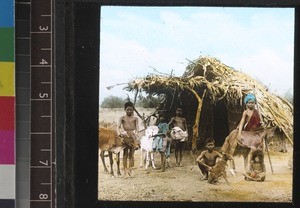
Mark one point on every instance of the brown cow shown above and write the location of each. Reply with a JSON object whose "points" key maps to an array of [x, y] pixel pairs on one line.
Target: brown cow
{"points": [[247, 144], [110, 142]]}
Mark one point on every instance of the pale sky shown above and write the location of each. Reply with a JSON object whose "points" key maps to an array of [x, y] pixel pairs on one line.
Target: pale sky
{"points": [[256, 41]]}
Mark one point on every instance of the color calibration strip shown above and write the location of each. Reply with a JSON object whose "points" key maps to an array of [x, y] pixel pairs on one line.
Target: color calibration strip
{"points": [[7, 105], [42, 163]]}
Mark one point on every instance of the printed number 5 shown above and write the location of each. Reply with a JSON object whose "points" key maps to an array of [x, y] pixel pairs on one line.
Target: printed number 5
{"points": [[44, 95]]}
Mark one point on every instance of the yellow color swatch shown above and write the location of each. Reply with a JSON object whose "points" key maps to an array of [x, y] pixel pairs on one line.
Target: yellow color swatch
{"points": [[7, 79]]}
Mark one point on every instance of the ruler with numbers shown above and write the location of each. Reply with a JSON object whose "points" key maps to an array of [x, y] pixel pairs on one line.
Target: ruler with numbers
{"points": [[42, 162]]}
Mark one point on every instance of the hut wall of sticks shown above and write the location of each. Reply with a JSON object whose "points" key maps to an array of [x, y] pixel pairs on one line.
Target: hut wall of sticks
{"points": [[211, 96]]}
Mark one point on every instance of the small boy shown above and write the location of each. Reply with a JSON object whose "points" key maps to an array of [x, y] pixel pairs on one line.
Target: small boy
{"points": [[162, 142], [257, 167], [179, 121], [208, 158], [128, 128]]}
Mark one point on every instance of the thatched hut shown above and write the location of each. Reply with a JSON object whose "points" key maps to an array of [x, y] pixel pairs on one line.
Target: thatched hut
{"points": [[211, 96]]}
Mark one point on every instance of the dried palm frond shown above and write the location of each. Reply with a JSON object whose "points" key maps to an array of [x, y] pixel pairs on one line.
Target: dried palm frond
{"points": [[222, 83]]}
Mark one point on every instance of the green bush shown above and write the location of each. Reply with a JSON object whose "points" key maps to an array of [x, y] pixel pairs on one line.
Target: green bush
{"points": [[118, 102], [147, 102], [113, 102]]}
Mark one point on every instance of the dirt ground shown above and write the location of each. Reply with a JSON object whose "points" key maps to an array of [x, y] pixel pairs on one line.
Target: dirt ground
{"points": [[183, 184]]}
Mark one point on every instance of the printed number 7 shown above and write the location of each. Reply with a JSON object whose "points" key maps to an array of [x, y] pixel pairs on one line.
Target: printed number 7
{"points": [[44, 163]]}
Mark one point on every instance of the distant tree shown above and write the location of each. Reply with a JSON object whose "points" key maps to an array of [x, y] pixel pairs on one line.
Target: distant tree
{"points": [[147, 102], [289, 96], [113, 102]]}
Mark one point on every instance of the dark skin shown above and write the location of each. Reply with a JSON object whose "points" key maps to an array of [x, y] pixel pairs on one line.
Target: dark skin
{"points": [[128, 125], [247, 114], [163, 153], [208, 158], [257, 170], [178, 121], [128, 122]]}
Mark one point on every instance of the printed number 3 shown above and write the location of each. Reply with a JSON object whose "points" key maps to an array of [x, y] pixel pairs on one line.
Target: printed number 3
{"points": [[43, 28]]}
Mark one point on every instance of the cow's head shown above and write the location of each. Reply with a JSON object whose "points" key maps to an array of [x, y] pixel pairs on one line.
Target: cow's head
{"points": [[269, 132], [225, 156]]}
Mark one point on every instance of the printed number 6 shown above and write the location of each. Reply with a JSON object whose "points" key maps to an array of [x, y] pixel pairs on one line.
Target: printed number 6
{"points": [[43, 28], [43, 196]]}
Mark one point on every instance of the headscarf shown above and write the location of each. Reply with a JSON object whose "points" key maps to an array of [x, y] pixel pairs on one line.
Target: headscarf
{"points": [[249, 97]]}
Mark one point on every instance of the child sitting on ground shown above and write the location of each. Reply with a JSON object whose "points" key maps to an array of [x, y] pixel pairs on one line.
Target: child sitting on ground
{"points": [[208, 158], [257, 167]]}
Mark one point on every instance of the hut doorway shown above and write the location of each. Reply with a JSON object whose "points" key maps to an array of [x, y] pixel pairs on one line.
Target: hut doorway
{"points": [[220, 123]]}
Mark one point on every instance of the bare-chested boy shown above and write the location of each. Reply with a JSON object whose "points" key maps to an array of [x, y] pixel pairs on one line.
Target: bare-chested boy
{"points": [[128, 127], [208, 158], [179, 121], [250, 121]]}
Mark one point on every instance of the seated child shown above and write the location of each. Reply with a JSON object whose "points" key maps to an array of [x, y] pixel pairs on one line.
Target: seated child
{"points": [[208, 158], [257, 170]]}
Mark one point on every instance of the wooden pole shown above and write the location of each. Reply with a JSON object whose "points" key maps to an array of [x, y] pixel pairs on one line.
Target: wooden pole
{"points": [[197, 119], [267, 149]]}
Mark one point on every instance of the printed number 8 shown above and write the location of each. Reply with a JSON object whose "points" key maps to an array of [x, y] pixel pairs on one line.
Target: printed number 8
{"points": [[43, 196]]}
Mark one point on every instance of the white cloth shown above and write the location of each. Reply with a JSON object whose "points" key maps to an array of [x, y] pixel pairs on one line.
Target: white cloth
{"points": [[178, 134]]}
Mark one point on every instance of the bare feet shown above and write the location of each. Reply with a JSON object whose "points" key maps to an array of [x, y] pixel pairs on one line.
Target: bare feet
{"points": [[232, 171], [178, 164], [204, 177]]}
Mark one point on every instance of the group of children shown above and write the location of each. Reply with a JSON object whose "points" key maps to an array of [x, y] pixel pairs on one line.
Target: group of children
{"points": [[128, 125]]}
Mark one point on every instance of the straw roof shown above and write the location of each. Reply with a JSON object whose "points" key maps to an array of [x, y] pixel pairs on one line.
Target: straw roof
{"points": [[221, 82]]}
